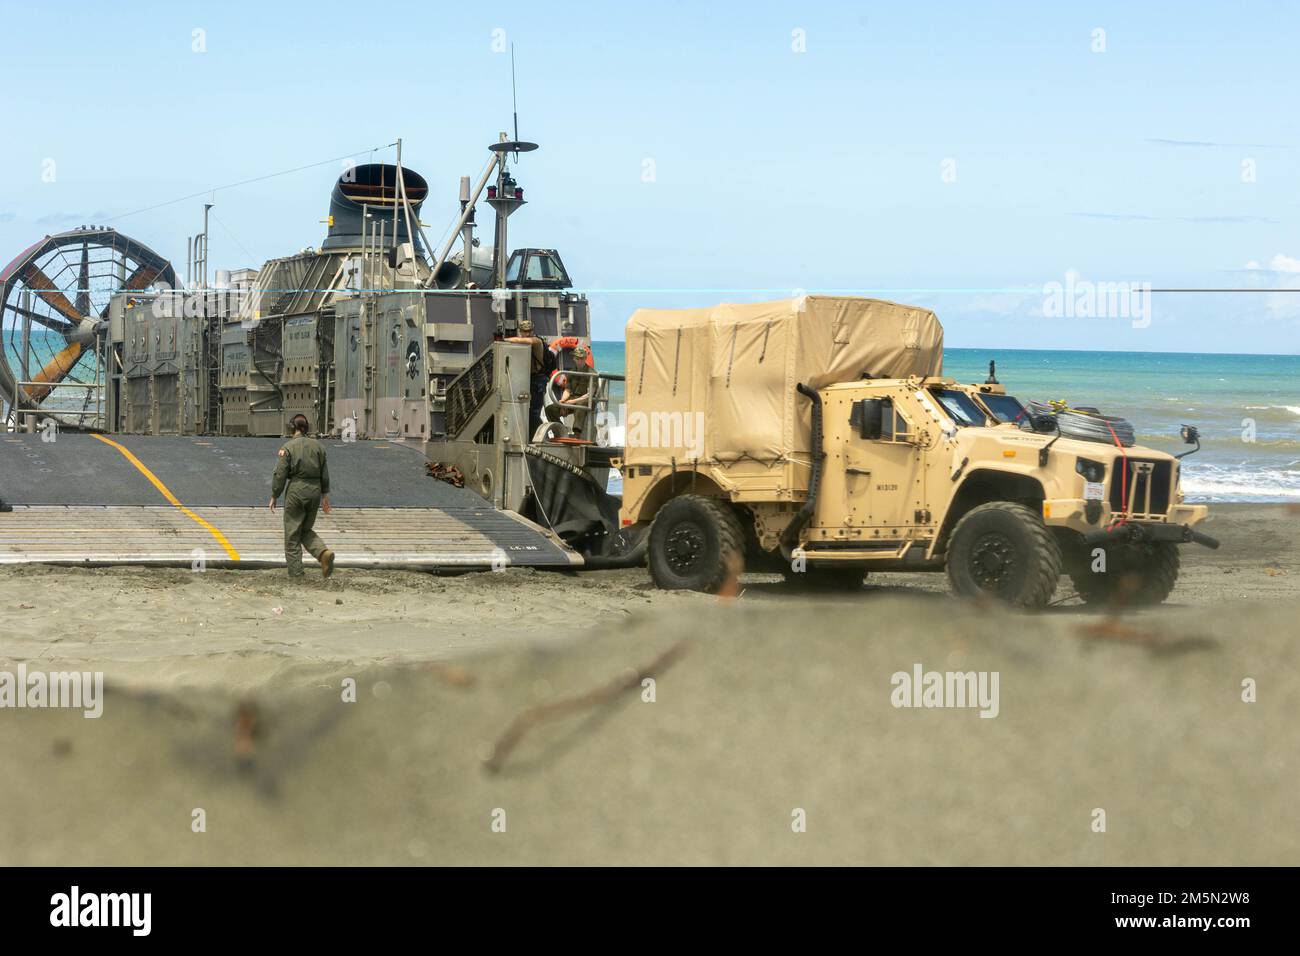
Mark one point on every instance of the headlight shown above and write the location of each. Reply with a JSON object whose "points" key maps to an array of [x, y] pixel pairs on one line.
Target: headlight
{"points": [[1091, 470]]}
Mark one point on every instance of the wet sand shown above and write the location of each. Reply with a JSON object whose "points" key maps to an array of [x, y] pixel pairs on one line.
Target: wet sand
{"points": [[225, 692]]}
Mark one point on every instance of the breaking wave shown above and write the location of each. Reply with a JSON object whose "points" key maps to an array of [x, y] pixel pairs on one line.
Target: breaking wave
{"points": [[1223, 483]]}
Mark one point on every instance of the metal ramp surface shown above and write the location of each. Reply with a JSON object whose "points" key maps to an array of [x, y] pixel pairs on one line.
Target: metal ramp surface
{"points": [[126, 499]]}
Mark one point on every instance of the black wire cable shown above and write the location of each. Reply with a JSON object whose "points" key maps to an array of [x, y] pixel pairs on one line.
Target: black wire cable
{"points": [[1087, 426]]}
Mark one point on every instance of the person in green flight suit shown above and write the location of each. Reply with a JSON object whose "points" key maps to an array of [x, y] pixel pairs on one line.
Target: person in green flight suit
{"points": [[577, 389], [303, 477]]}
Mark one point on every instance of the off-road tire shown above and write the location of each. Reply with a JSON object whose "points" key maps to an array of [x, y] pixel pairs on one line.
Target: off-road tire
{"points": [[824, 577], [1136, 575], [1002, 550], [696, 544]]}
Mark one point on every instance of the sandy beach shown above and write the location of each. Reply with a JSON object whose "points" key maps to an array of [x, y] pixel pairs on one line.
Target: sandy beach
{"points": [[225, 692]]}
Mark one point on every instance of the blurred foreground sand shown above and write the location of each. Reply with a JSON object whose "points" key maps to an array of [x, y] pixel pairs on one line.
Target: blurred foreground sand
{"points": [[780, 701]]}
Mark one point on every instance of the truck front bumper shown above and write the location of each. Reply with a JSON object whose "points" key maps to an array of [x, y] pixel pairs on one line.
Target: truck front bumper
{"points": [[1139, 532], [1098, 524]]}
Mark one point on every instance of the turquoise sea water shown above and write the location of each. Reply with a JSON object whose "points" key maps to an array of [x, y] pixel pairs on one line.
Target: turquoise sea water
{"points": [[1230, 398], [46, 346]]}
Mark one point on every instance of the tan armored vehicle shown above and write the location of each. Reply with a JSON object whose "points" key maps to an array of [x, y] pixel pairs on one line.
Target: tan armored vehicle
{"points": [[818, 436]]}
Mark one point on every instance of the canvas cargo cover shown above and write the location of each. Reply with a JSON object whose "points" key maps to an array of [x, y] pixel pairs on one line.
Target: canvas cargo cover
{"points": [[718, 384]]}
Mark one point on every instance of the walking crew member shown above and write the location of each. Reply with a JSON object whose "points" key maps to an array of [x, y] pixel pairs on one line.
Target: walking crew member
{"points": [[303, 477]]}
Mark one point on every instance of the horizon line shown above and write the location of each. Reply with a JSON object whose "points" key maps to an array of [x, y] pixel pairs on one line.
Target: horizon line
{"points": [[973, 348]]}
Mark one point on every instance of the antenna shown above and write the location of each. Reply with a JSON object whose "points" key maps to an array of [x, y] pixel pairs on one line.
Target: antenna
{"points": [[514, 97]]}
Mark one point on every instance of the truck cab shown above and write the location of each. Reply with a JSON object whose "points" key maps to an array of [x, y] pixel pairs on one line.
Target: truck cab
{"points": [[907, 460], [906, 457]]}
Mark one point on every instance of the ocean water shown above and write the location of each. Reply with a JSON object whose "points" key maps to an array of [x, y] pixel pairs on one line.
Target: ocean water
{"points": [[1247, 407], [46, 345]]}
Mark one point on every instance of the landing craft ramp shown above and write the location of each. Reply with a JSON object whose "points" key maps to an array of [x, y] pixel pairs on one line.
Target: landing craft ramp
{"points": [[127, 499]]}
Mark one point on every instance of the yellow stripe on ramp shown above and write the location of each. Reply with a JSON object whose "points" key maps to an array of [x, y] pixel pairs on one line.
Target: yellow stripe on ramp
{"points": [[166, 493]]}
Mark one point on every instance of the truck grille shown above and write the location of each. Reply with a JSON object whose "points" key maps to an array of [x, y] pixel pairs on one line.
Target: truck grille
{"points": [[1150, 486]]}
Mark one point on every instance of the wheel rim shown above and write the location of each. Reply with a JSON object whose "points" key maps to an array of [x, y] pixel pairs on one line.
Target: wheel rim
{"points": [[686, 543], [993, 560]]}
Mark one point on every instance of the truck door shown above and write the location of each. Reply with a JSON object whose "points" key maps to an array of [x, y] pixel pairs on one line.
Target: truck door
{"points": [[874, 483]]}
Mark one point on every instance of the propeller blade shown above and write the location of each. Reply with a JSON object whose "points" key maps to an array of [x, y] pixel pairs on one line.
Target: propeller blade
{"points": [[55, 371], [40, 283], [142, 277], [49, 321]]}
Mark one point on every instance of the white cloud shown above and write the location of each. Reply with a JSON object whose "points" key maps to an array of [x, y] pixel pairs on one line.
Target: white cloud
{"points": [[1279, 263]]}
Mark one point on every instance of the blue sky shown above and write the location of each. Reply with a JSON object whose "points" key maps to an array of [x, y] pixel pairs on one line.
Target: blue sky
{"points": [[773, 170]]}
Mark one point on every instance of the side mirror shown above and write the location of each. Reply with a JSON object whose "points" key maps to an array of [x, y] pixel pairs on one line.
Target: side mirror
{"points": [[1042, 423], [1190, 434], [867, 416]]}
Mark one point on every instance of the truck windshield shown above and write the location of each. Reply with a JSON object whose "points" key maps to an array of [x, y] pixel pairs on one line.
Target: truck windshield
{"points": [[959, 407], [1005, 408]]}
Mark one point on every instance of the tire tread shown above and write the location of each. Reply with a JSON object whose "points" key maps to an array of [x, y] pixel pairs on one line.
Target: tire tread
{"points": [[1158, 569], [1047, 572], [731, 538]]}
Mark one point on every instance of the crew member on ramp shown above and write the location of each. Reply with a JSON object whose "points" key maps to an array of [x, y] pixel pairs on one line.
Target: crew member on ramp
{"points": [[303, 477]]}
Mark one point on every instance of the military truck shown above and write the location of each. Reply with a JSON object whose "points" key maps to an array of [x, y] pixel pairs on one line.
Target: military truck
{"points": [[818, 436]]}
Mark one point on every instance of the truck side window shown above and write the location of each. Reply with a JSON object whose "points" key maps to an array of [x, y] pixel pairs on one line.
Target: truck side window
{"points": [[874, 419]]}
